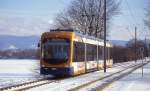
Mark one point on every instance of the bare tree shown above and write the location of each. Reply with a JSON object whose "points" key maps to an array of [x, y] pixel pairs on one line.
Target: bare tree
{"points": [[139, 44], [87, 16], [147, 20]]}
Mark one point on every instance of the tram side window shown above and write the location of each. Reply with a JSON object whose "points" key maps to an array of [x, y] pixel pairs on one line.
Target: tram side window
{"points": [[78, 51], [95, 52], [100, 52], [108, 52], [111, 53], [91, 52]]}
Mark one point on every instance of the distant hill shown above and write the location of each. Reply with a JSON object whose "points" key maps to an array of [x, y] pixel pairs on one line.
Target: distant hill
{"points": [[18, 42], [123, 43], [119, 42], [30, 42]]}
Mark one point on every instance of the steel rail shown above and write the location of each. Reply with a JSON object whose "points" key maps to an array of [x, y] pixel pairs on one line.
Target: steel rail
{"points": [[102, 78], [27, 85]]}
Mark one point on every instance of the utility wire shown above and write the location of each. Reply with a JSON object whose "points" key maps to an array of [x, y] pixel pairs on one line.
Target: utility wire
{"points": [[127, 20], [134, 20], [132, 35], [131, 13], [133, 17]]}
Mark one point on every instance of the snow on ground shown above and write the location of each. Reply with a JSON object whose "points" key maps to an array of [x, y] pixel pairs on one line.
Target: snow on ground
{"points": [[70, 83], [133, 82], [15, 71]]}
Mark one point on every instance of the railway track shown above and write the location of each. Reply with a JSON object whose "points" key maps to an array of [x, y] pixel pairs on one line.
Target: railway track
{"points": [[38, 83], [27, 85], [109, 77]]}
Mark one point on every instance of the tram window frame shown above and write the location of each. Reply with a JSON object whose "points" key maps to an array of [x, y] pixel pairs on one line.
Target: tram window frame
{"points": [[79, 49]]}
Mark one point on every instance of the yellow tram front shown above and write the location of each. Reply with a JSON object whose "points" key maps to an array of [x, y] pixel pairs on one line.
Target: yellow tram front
{"points": [[56, 53]]}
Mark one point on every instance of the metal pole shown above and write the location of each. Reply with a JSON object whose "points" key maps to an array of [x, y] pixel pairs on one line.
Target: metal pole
{"points": [[97, 58], [145, 51], [142, 62], [85, 59], [104, 35], [135, 46], [142, 54]]}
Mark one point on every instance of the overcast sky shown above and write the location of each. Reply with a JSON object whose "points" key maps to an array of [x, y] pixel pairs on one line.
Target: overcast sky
{"points": [[32, 17]]}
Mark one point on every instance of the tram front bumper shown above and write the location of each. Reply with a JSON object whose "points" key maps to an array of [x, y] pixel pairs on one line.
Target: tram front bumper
{"points": [[66, 71]]}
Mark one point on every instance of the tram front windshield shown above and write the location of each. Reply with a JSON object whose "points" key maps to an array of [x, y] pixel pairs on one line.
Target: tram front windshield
{"points": [[55, 51]]}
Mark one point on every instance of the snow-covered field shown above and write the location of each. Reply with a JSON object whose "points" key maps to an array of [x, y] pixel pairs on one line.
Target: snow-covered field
{"points": [[19, 71], [73, 82], [14, 71], [133, 82]]}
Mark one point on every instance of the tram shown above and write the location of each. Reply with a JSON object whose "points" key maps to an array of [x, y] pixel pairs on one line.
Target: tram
{"points": [[65, 52]]}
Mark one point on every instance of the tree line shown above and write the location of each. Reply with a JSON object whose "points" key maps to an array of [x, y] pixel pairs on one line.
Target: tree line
{"points": [[20, 54], [120, 53], [128, 53]]}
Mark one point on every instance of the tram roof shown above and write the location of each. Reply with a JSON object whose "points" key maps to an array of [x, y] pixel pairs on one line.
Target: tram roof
{"points": [[78, 33]]}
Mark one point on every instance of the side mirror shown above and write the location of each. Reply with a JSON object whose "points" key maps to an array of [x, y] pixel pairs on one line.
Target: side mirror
{"points": [[38, 45]]}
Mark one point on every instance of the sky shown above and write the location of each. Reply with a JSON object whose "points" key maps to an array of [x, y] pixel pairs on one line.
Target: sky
{"points": [[132, 15], [33, 17]]}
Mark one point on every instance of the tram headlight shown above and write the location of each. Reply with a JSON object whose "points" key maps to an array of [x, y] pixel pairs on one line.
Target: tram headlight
{"points": [[67, 65], [42, 65]]}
